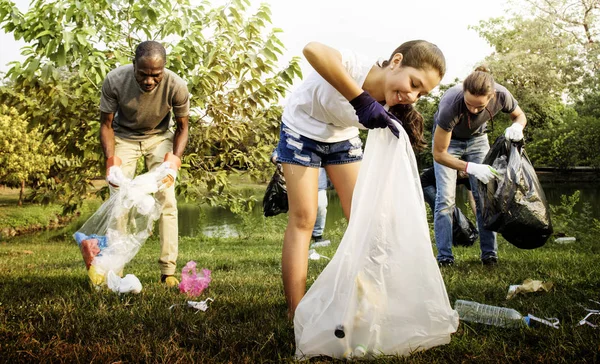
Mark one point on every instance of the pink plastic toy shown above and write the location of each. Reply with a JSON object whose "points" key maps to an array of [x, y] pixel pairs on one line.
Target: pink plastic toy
{"points": [[190, 282]]}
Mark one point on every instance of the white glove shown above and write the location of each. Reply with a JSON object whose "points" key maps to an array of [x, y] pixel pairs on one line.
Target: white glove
{"points": [[514, 132], [115, 176], [482, 172], [166, 175]]}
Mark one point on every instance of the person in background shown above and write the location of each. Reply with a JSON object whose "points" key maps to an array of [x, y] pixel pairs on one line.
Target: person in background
{"points": [[460, 143], [429, 189], [322, 202], [136, 105], [320, 129]]}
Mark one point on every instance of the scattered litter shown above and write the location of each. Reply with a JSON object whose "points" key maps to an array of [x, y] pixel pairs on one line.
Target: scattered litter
{"points": [[591, 312], [197, 305], [550, 321], [499, 316], [320, 244], [313, 255], [129, 284], [528, 285], [191, 283], [565, 240]]}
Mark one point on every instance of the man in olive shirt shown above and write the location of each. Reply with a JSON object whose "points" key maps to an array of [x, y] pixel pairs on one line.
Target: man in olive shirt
{"points": [[135, 113]]}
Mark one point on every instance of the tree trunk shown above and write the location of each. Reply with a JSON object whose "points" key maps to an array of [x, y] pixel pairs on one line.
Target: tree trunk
{"points": [[21, 192]]}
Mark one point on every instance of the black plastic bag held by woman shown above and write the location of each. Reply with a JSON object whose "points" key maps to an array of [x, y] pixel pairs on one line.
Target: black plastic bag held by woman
{"points": [[275, 201], [464, 232], [514, 204]]}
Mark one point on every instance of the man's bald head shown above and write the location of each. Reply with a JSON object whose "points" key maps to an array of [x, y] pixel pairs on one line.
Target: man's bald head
{"points": [[150, 49]]}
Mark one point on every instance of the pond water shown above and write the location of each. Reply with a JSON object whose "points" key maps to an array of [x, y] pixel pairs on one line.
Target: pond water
{"points": [[209, 221]]}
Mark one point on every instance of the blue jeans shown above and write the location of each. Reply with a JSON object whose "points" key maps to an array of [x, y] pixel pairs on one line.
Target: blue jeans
{"points": [[429, 193], [321, 204], [321, 214], [470, 150]]}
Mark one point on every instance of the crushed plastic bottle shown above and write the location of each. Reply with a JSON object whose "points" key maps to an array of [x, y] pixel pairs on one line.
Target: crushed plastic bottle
{"points": [[490, 315]]}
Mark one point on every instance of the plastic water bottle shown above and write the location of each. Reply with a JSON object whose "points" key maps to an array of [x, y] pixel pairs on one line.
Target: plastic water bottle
{"points": [[489, 315]]}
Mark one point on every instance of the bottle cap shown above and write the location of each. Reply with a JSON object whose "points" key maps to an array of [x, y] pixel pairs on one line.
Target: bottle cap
{"points": [[360, 351]]}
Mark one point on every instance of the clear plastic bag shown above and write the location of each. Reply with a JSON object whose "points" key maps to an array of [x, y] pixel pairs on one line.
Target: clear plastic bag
{"points": [[382, 293], [113, 235]]}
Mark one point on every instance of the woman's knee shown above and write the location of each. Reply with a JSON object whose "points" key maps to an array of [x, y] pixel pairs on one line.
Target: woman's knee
{"points": [[302, 220]]}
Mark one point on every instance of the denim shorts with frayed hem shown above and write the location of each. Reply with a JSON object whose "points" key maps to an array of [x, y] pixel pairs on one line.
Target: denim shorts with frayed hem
{"points": [[294, 148]]}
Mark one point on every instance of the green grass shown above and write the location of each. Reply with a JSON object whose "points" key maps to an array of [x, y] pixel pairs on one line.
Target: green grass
{"points": [[48, 312], [16, 220]]}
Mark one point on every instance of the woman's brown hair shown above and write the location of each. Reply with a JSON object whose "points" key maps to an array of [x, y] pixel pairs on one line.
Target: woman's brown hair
{"points": [[480, 82], [418, 54]]}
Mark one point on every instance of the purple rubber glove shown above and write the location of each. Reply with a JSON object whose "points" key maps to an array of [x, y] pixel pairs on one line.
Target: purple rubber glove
{"points": [[372, 115]]}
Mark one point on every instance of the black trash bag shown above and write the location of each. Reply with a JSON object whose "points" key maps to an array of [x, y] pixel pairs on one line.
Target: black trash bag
{"points": [[514, 204], [275, 201], [464, 232]]}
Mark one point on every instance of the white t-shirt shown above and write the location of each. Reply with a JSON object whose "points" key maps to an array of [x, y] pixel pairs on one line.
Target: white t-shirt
{"points": [[318, 111]]}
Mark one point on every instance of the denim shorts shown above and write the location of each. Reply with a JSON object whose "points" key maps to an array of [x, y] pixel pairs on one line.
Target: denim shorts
{"points": [[294, 148]]}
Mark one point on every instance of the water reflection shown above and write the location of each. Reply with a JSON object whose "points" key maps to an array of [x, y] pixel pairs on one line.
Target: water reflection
{"points": [[209, 221]]}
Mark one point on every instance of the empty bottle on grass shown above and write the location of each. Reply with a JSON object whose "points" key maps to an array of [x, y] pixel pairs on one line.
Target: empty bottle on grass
{"points": [[490, 315]]}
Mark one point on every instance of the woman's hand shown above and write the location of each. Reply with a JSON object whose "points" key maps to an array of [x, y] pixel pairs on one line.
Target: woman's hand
{"points": [[371, 113]]}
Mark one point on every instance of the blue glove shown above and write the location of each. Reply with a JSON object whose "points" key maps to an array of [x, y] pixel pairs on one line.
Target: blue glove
{"points": [[80, 237], [372, 115]]}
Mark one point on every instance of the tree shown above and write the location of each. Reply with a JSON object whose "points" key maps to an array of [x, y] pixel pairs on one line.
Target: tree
{"points": [[228, 56], [533, 61], [24, 154], [578, 21], [550, 61]]}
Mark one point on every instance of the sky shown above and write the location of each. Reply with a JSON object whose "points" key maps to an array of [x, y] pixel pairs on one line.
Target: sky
{"points": [[372, 28]]}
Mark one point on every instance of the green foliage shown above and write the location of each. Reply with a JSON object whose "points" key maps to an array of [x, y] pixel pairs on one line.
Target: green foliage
{"points": [[533, 61], [25, 156], [549, 62], [227, 54], [575, 218], [567, 144]]}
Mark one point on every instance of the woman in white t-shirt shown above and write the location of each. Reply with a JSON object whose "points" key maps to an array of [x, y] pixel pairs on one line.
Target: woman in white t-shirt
{"points": [[320, 129]]}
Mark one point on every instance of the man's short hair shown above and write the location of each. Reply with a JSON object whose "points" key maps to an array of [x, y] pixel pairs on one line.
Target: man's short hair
{"points": [[150, 48]]}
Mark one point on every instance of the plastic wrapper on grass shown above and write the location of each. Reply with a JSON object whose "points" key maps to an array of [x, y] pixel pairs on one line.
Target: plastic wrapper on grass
{"points": [[191, 282]]}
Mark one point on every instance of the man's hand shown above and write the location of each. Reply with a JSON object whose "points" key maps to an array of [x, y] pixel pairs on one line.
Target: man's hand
{"points": [[114, 174], [514, 132], [372, 115], [168, 171], [482, 172]]}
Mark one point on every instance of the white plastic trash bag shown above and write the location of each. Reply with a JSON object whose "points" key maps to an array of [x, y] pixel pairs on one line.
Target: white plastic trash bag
{"points": [[382, 293], [113, 235]]}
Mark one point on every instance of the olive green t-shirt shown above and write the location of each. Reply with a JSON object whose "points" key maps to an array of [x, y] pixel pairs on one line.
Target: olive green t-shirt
{"points": [[140, 114]]}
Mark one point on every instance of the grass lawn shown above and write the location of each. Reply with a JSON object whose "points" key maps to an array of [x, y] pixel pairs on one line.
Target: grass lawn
{"points": [[48, 312]]}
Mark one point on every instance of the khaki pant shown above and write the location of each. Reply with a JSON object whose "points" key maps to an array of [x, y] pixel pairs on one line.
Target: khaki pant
{"points": [[153, 150]]}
